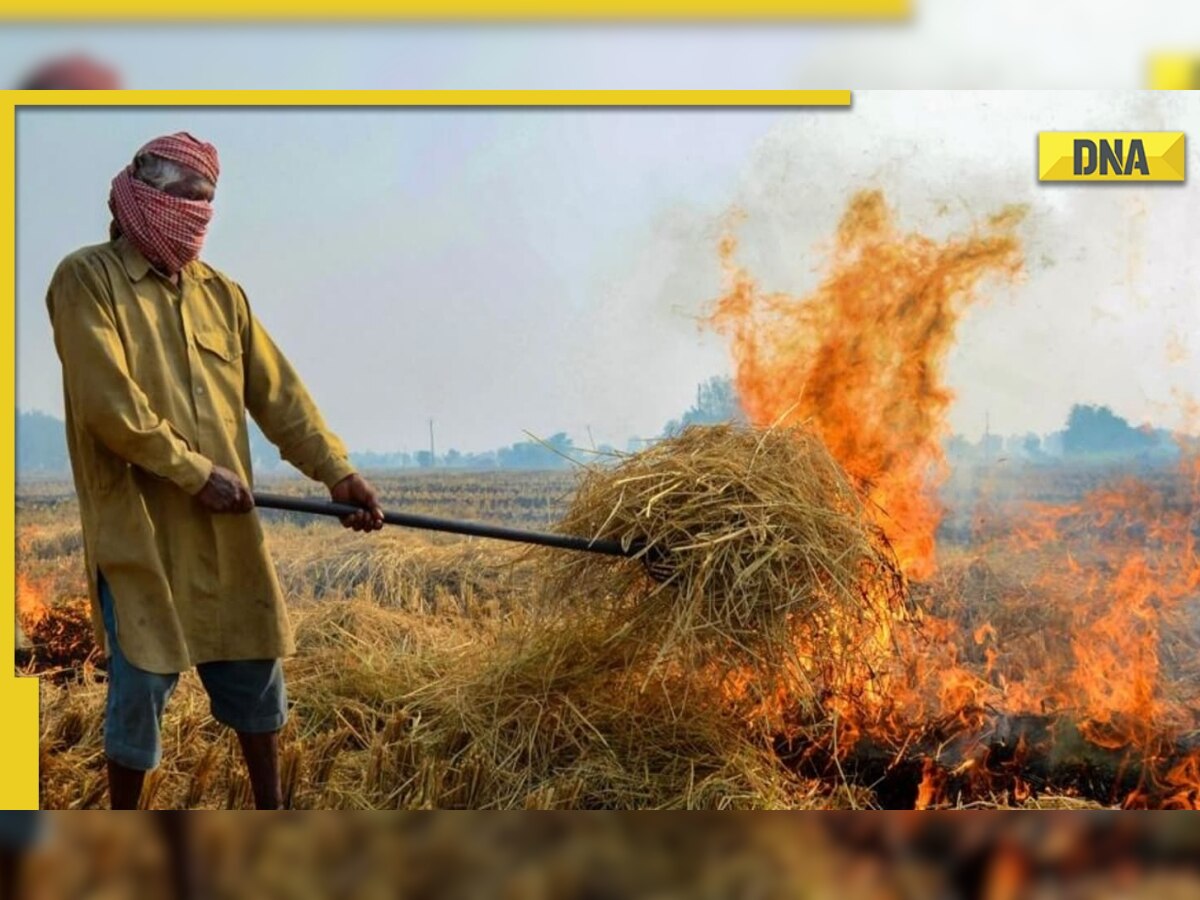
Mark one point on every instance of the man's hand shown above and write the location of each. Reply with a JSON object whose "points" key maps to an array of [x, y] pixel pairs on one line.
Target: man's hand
{"points": [[357, 491], [225, 492]]}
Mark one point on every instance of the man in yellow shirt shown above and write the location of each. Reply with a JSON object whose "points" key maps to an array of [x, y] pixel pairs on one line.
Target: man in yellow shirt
{"points": [[162, 359]]}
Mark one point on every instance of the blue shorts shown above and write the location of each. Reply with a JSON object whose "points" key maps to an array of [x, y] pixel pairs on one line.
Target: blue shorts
{"points": [[248, 695]]}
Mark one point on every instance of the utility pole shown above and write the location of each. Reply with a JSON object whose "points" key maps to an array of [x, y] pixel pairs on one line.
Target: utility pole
{"points": [[432, 450]]}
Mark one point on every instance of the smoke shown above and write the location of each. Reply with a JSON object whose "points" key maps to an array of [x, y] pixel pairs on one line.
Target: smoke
{"points": [[1109, 270]]}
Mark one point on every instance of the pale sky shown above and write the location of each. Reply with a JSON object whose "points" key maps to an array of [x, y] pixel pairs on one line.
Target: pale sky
{"points": [[945, 44], [512, 271]]}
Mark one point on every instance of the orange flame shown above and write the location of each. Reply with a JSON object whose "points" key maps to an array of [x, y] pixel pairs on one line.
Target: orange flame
{"points": [[861, 357], [930, 786], [1094, 610], [31, 602]]}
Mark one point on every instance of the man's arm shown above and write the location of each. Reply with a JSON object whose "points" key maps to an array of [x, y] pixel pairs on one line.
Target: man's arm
{"points": [[104, 398], [282, 407]]}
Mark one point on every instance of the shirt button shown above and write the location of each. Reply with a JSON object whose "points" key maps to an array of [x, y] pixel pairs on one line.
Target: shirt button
{"points": [[199, 390]]}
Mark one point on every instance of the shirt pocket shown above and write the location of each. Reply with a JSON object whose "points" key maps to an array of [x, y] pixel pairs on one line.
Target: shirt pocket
{"points": [[222, 344], [220, 354]]}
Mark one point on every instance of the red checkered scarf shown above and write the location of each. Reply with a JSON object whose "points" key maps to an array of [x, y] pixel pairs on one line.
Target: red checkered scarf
{"points": [[169, 231]]}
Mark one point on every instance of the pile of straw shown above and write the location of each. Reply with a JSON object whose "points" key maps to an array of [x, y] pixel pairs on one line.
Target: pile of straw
{"points": [[761, 544], [393, 711], [562, 717]]}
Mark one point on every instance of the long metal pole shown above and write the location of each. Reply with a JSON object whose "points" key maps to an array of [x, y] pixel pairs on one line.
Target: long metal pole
{"points": [[452, 526]]}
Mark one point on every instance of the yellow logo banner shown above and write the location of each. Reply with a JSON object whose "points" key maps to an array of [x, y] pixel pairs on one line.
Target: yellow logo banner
{"points": [[1111, 156]]}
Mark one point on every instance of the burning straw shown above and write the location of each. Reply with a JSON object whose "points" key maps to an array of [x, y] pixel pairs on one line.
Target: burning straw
{"points": [[761, 544]]}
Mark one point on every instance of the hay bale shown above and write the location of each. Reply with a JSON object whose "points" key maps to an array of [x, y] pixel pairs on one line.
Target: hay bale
{"points": [[768, 546]]}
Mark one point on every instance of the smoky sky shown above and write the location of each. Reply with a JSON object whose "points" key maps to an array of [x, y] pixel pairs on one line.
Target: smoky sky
{"points": [[507, 271]]}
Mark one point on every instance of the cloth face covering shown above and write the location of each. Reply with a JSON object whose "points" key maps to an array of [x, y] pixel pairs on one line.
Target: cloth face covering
{"points": [[169, 231]]}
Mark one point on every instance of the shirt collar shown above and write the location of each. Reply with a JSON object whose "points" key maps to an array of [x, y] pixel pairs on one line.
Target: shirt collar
{"points": [[137, 266]]}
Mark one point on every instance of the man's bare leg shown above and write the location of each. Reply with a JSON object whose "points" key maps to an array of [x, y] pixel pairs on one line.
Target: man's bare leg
{"points": [[261, 752], [124, 786]]}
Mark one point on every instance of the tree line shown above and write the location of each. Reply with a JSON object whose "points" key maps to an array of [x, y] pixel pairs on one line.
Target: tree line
{"points": [[1091, 433]]}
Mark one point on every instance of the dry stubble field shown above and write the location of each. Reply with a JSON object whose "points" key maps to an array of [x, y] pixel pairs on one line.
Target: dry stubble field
{"points": [[422, 678]]}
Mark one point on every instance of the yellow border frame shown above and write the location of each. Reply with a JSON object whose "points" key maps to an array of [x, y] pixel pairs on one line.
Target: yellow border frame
{"points": [[1174, 71], [459, 10], [19, 780]]}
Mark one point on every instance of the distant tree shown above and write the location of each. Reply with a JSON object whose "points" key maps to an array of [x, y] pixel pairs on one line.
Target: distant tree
{"points": [[552, 453], [991, 447], [1026, 446], [958, 448], [716, 402], [370, 459], [1169, 444], [41, 444], [560, 444], [485, 460], [1052, 443], [424, 459], [1098, 431]]}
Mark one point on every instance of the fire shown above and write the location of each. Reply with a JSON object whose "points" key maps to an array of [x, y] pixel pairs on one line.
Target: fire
{"points": [[930, 786], [1074, 628], [862, 356], [1183, 784], [31, 602], [59, 635]]}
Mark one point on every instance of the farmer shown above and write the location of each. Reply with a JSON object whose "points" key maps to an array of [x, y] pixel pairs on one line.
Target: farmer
{"points": [[162, 358]]}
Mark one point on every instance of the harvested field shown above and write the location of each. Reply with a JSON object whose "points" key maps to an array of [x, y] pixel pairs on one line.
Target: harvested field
{"points": [[428, 677], [438, 672]]}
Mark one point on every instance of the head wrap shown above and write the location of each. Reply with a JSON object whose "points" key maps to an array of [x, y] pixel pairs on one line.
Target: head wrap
{"points": [[169, 231]]}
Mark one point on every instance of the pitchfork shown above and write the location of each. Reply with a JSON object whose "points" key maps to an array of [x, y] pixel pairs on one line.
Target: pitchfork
{"points": [[652, 557]]}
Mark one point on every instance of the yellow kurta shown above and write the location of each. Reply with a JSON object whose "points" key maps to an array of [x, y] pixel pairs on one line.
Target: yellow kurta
{"points": [[157, 381]]}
